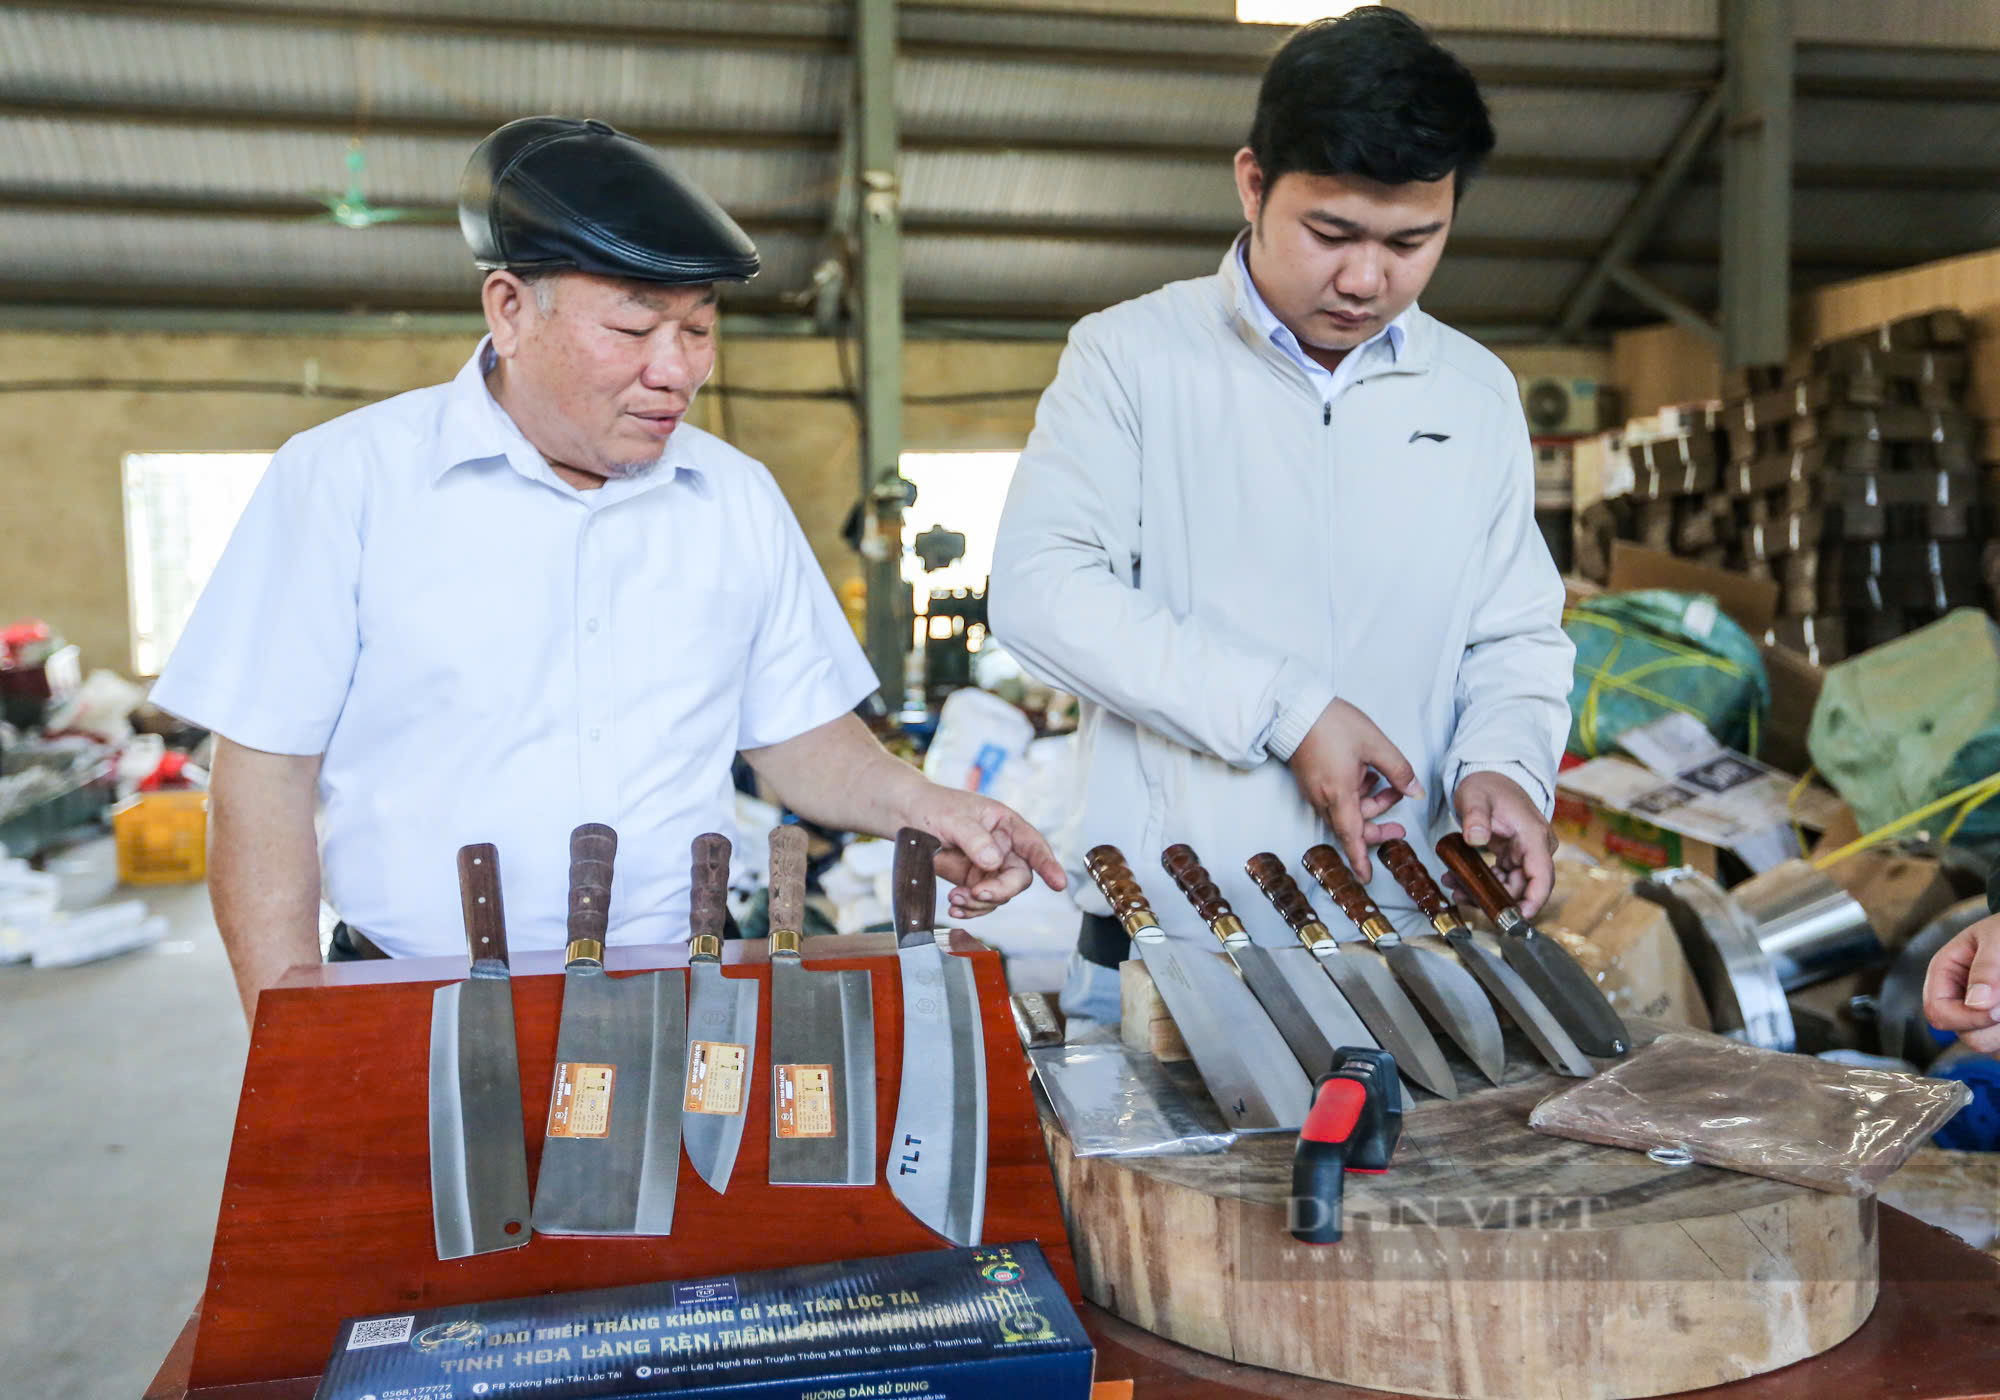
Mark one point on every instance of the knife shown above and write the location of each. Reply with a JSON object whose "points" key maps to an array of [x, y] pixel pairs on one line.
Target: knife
{"points": [[479, 1159], [722, 1026], [611, 1153], [1502, 983], [1249, 1070], [937, 1153], [822, 1046], [1383, 1006], [1308, 1010], [1544, 964], [1444, 987]]}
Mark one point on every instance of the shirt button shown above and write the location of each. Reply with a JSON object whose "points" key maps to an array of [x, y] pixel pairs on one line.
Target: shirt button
{"points": [[591, 625], [596, 733]]}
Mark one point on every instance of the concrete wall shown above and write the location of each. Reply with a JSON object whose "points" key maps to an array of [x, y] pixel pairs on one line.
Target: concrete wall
{"points": [[62, 445]]}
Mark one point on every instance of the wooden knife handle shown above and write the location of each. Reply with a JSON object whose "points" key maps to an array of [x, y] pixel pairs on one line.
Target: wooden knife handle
{"points": [[915, 880], [1270, 876], [1408, 868], [479, 892], [1324, 864], [1473, 872], [592, 848], [788, 878], [1186, 868], [710, 890], [1107, 867]]}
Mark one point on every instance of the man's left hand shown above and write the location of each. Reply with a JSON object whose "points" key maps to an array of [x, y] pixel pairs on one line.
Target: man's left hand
{"points": [[1962, 986], [1495, 813], [989, 850]]}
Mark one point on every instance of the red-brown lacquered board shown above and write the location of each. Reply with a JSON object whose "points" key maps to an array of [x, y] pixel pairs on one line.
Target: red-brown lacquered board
{"points": [[326, 1207]]}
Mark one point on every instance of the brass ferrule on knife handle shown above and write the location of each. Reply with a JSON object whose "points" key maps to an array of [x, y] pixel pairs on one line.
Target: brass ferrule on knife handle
{"points": [[1324, 864], [1268, 873], [1181, 862], [592, 848], [485, 921], [1408, 867], [707, 898], [1479, 880], [1128, 902], [915, 880], [788, 890]]}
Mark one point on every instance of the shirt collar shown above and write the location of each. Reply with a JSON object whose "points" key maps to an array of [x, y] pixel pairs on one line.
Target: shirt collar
{"points": [[476, 428], [1279, 334]]}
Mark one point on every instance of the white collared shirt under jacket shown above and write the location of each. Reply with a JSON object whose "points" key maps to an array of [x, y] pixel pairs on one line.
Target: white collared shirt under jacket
{"points": [[484, 653], [1209, 552]]}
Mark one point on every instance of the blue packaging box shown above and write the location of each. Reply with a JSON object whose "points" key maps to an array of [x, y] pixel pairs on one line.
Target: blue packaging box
{"points": [[986, 1323]]}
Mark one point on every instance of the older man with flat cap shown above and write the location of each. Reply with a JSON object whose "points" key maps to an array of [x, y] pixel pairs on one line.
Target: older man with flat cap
{"points": [[533, 597]]}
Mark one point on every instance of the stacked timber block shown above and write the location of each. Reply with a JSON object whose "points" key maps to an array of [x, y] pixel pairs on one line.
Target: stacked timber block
{"points": [[1851, 475]]}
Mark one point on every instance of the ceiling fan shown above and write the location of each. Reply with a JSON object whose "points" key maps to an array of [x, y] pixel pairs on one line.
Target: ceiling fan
{"points": [[350, 207]]}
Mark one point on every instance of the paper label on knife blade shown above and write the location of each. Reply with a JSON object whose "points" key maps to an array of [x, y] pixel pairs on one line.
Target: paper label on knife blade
{"points": [[715, 1077], [580, 1102], [803, 1106]]}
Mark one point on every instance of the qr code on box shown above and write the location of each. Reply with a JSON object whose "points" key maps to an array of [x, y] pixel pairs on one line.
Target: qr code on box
{"points": [[380, 1332]]}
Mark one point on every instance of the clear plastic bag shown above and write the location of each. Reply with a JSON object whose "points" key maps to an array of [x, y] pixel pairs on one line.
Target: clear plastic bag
{"points": [[1831, 1127], [1113, 1102]]}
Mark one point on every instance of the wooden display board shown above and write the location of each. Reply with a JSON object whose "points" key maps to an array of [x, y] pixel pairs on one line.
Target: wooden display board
{"points": [[1488, 1261], [326, 1207]]}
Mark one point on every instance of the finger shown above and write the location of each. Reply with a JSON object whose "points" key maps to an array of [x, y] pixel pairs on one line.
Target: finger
{"points": [[1375, 833], [1945, 987], [1345, 818], [1385, 758], [1982, 982], [1475, 817], [1539, 867], [1379, 801], [1033, 848], [1516, 881], [1986, 1042]]}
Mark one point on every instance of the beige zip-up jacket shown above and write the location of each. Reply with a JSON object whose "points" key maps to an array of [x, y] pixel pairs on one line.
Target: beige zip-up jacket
{"points": [[1208, 554]]}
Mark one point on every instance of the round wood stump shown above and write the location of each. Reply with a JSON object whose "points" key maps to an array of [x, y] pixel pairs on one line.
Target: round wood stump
{"points": [[1489, 1261]]}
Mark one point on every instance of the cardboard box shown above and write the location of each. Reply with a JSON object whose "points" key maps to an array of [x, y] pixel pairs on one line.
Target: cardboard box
{"points": [[972, 1323], [1626, 943], [1751, 601], [1624, 842]]}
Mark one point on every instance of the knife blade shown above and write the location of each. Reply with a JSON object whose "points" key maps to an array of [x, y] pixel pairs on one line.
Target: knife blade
{"points": [[1307, 1009], [937, 1153], [1444, 987], [612, 1148], [479, 1158], [822, 1046], [722, 1026], [1502, 983], [1249, 1070], [1544, 964], [1367, 984]]}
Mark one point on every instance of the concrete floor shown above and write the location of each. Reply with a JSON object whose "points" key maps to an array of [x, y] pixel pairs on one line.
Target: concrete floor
{"points": [[118, 1087]]}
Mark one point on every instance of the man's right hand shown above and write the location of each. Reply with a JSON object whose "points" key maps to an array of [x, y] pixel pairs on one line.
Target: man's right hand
{"points": [[1962, 986], [1352, 774]]}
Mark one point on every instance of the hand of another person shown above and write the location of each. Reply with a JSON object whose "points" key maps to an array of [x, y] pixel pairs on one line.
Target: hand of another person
{"points": [[1350, 772], [989, 851], [1494, 812], [1962, 986]]}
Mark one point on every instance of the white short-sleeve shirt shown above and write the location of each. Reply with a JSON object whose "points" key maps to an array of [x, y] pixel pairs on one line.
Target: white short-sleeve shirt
{"points": [[484, 653]]}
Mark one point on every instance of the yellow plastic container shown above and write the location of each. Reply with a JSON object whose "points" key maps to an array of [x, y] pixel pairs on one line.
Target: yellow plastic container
{"points": [[162, 838]]}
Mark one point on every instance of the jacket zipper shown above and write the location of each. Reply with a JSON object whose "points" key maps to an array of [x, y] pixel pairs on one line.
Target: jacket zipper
{"points": [[1326, 413]]}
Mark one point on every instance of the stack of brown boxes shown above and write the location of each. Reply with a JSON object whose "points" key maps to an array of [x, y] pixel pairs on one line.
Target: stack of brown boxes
{"points": [[1851, 475]]}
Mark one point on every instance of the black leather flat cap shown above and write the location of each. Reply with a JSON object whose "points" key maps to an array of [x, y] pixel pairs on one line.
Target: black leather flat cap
{"points": [[555, 192]]}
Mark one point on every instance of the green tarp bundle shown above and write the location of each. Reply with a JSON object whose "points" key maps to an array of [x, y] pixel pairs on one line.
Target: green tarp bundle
{"points": [[1640, 656], [1912, 720]]}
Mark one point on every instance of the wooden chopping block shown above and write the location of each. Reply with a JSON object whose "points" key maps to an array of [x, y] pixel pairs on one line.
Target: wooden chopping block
{"points": [[1143, 1021], [1488, 1261]]}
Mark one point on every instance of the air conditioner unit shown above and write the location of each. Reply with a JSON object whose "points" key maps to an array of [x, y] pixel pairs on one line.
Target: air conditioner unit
{"points": [[1568, 407]]}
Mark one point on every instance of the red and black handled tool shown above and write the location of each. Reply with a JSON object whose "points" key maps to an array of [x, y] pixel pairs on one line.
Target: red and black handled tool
{"points": [[1355, 1122]]}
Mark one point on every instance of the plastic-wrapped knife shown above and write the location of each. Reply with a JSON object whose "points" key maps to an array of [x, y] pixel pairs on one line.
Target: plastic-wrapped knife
{"points": [[1249, 1070], [1439, 983], [937, 1154], [611, 1154], [1504, 984], [722, 1026], [1307, 1009], [479, 1159], [822, 1046], [1363, 978], [1544, 964]]}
